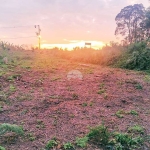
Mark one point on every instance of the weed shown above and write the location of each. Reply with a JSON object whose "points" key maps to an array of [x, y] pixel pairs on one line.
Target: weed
{"points": [[51, 144], [1, 108], [101, 85], [99, 135], [101, 91], [120, 113], [91, 104], [147, 78], [84, 104], [68, 146], [125, 141], [105, 95], [12, 77], [75, 96], [133, 112], [136, 129], [138, 86], [2, 148], [31, 137], [55, 78], [5, 127], [40, 124], [82, 142], [12, 88]]}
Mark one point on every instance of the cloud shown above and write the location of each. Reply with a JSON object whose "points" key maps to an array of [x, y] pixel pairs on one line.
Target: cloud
{"points": [[59, 19]]}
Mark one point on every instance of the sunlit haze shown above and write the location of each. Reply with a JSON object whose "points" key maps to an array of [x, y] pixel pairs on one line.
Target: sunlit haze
{"points": [[63, 23]]}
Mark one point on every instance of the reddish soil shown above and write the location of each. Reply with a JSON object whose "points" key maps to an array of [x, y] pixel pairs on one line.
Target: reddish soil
{"points": [[48, 105]]}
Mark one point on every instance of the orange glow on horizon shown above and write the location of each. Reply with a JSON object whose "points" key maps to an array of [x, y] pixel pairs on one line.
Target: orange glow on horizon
{"points": [[74, 43]]}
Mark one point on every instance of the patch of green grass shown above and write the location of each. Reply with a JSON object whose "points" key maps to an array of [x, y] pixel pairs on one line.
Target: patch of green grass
{"points": [[2, 148], [120, 113], [147, 78], [51, 144], [84, 104], [138, 86], [133, 112], [68, 146], [12, 88], [91, 104], [102, 90], [99, 135], [82, 142], [123, 141], [40, 124], [5, 127], [31, 137], [12, 77], [136, 129], [1, 108]]}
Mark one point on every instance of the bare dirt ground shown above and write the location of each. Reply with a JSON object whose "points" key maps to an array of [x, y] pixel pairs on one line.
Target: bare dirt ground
{"points": [[48, 105]]}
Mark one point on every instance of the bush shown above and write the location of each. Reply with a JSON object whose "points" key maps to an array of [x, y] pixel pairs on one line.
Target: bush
{"points": [[2, 148], [99, 135], [68, 146], [5, 127], [82, 142], [51, 144], [137, 56]]}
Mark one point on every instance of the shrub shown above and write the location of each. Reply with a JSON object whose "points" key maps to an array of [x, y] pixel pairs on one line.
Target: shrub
{"points": [[82, 142], [68, 146], [136, 57], [126, 142], [51, 144], [99, 135], [136, 129], [2, 148], [10, 128]]}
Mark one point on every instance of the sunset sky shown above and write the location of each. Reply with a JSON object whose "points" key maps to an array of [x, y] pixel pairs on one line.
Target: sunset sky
{"points": [[64, 23]]}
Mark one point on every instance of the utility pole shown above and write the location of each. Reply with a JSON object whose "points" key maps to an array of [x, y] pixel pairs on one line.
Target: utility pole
{"points": [[38, 34]]}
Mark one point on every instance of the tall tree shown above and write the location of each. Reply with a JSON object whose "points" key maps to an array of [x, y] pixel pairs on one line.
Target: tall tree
{"points": [[129, 23]]}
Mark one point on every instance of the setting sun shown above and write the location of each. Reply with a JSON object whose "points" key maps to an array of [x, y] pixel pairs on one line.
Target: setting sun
{"points": [[74, 43]]}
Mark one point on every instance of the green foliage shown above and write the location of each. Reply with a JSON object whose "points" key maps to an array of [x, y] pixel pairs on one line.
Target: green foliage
{"points": [[12, 88], [99, 135], [51, 144], [133, 112], [138, 86], [120, 113], [2, 148], [68, 146], [10, 128], [136, 129], [82, 142], [136, 57], [126, 142]]}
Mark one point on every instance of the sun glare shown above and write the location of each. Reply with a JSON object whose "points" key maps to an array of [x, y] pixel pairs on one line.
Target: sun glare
{"points": [[74, 43]]}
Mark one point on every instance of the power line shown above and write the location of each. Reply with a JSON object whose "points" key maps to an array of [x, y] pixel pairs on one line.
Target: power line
{"points": [[17, 27], [19, 37]]}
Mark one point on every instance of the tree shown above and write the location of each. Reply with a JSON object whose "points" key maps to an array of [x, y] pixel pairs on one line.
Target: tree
{"points": [[146, 25], [129, 22]]}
